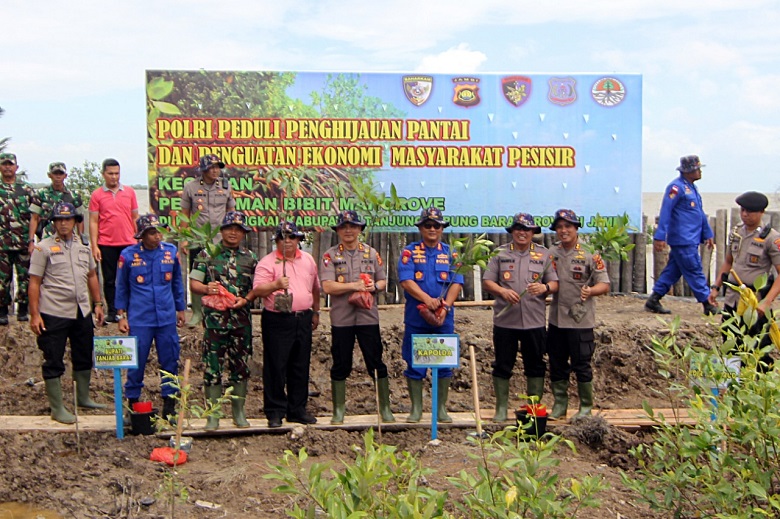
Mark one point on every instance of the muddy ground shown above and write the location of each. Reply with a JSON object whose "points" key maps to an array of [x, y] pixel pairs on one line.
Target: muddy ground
{"points": [[111, 477]]}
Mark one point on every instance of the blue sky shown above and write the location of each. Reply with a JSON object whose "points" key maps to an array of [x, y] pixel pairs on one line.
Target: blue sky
{"points": [[74, 71]]}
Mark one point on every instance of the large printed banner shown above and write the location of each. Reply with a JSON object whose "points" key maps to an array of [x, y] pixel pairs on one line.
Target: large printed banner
{"points": [[480, 147]]}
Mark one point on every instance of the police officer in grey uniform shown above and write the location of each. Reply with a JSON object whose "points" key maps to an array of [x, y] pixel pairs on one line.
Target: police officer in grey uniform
{"points": [[521, 275], [212, 197], [754, 249], [570, 342], [63, 279], [341, 269]]}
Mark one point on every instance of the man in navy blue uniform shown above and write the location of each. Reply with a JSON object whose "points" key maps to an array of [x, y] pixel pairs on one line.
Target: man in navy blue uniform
{"points": [[683, 225], [150, 304], [428, 279]]}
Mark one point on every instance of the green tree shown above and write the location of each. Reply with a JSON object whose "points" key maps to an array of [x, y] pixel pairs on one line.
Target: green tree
{"points": [[84, 180]]}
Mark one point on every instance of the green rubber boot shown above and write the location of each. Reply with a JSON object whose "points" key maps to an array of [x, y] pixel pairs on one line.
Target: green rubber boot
{"points": [[444, 392], [54, 394], [415, 395], [585, 391], [338, 389], [197, 311], [383, 387], [560, 391], [213, 394], [535, 387], [82, 379], [237, 404], [501, 387]]}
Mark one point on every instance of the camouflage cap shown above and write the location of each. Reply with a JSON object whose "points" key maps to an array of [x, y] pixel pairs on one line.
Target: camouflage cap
{"points": [[64, 210], [235, 218], [689, 163], [349, 216], [752, 201], [434, 214], [146, 222], [567, 215], [7, 157], [288, 228], [524, 221], [55, 167], [206, 161]]}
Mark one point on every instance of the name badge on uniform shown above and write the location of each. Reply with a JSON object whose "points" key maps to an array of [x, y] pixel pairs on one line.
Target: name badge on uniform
{"points": [[340, 279], [168, 276]]}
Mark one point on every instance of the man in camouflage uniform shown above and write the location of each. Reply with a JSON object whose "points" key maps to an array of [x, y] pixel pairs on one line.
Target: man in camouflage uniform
{"points": [[46, 198], [228, 335], [348, 268], [15, 199]]}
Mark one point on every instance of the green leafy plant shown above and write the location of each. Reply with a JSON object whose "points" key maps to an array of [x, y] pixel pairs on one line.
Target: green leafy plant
{"points": [[84, 180], [727, 463], [187, 406], [610, 238], [381, 483], [172, 490], [196, 236], [516, 478]]}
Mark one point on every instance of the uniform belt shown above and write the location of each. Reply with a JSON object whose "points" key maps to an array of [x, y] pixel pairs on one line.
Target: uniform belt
{"points": [[299, 313]]}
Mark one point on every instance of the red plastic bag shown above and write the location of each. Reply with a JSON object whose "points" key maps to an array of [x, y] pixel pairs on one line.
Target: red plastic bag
{"points": [[434, 318], [222, 300], [362, 299], [167, 455]]}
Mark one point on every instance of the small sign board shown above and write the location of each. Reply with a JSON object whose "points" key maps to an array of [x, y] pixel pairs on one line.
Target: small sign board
{"points": [[436, 351], [115, 352]]}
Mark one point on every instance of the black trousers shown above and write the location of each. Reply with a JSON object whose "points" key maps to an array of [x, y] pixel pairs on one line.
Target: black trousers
{"points": [[370, 342], [570, 344], [108, 263], [286, 358], [532, 345], [52, 343]]}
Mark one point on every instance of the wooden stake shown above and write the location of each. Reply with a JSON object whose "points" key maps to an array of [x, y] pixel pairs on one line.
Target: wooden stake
{"points": [[475, 387], [378, 412], [182, 408]]}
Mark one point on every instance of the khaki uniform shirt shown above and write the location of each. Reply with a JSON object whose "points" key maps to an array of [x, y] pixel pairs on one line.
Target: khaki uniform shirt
{"points": [[343, 266], [752, 255], [513, 269], [213, 201], [575, 268], [64, 267]]}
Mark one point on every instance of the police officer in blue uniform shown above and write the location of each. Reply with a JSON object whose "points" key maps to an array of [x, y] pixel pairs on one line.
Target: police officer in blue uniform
{"points": [[426, 275], [683, 225], [150, 304]]}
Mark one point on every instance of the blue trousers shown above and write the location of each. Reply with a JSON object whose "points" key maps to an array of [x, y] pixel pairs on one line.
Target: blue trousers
{"points": [[406, 349], [684, 260], [166, 340]]}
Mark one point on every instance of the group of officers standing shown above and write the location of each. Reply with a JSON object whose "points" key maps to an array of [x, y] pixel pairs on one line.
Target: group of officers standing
{"points": [[150, 304]]}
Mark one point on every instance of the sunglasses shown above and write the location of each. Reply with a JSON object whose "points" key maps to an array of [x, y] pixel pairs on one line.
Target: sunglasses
{"points": [[431, 225]]}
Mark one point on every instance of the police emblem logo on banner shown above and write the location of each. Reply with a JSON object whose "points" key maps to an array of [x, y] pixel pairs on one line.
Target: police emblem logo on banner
{"points": [[418, 88], [608, 91], [466, 91], [516, 89], [563, 90]]}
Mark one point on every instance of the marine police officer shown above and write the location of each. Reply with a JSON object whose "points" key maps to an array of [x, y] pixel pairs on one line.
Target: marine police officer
{"points": [[426, 274], [228, 335], [521, 275], [684, 226], [63, 280], [348, 271], [150, 304]]}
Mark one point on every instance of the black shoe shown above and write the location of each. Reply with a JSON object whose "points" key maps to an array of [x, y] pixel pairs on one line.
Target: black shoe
{"points": [[110, 318], [305, 418], [274, 422], [653, 304], [169, 410], [4, 316], [21, 313], [710, 309]]}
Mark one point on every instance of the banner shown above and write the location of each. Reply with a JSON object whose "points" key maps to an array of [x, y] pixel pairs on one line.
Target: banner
{"points": [[479, 147]]}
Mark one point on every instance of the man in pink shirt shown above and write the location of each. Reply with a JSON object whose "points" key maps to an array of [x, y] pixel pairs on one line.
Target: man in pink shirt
{"points": [[113, 210], [287, 325]]}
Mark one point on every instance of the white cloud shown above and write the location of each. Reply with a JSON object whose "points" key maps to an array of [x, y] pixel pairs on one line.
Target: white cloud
{"points": [[460, 59]]}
